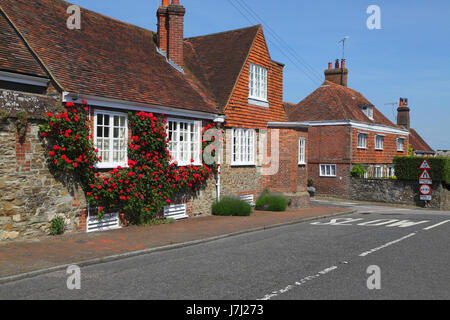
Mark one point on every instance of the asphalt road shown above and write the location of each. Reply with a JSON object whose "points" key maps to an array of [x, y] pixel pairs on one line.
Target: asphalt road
{"points": [[326, 259]]}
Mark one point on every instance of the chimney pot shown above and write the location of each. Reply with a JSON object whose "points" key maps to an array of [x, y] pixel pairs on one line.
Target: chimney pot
{"points": [[165, 3], [176, 2], [406, 102], [330, 65], [336, 65], [401, 102], [343, 63]]}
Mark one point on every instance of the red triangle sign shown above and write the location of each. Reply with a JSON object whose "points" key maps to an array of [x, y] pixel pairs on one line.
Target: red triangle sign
{"points": [[425, 165], [425, 175]]}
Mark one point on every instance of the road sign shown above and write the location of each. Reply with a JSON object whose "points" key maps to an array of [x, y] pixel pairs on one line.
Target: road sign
{"points": [[425, 175], [426, 198], [423, 181], [425, 165], [425, 190]]}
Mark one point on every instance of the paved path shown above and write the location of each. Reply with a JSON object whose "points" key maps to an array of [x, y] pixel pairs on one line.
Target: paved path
{"points": [[21, 257], [324, 259]]}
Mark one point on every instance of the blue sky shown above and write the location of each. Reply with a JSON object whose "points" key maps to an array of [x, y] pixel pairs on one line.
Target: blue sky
{"points": [[409, 57]]}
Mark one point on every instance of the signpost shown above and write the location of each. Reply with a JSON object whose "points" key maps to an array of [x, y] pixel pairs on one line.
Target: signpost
{"points": [[425, 182]]}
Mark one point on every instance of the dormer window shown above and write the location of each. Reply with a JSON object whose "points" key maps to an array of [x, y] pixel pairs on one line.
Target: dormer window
{"points": [[368, 111], [257, 83]]}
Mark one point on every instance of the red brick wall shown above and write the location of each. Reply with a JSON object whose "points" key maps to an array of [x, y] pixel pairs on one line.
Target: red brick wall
{"points": [[329, 145], [372, 156], [335, 186], [176, 34], [239, 112], [291, 177]]}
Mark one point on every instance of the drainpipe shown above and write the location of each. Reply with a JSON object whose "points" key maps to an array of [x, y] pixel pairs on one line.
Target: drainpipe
{"points": [[219, 122]]}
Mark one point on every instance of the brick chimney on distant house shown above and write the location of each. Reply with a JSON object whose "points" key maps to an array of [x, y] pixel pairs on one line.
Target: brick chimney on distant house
{"points": [[403, 118], [171, 30], [339, 74]]}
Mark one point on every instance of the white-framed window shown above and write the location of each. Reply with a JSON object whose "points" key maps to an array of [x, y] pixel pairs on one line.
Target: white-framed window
{"points": [[366, 173], [391, 172], [328, 170], [302, 151], [243, 146], [368, 111], [362, 140], [400, 144], [257, 82], [111, 138], [184, 141], [379, 142], [378, 172]]}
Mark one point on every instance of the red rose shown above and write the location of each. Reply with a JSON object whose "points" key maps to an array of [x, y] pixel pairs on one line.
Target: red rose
{"points": [[52, 154]]}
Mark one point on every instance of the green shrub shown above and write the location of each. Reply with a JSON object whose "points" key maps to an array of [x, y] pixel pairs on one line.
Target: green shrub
{"points": [[407, 168], [271, 202], [22, 123], [3, 116], [358, 171], [231, 206], [310, 182], [57, 226]]}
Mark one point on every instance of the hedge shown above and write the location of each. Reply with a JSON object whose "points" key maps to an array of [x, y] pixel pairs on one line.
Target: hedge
{"points": [[231, 206], [407, 168]]}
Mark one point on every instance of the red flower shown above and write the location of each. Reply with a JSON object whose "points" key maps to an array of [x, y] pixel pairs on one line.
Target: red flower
{"points": [[50, 114], [52, 154], [43, 134], [75, 164]]}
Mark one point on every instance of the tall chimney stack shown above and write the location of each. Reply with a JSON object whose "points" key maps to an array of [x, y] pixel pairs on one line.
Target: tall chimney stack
{"points": [[339, 74], [403, 117], [171, 30]]}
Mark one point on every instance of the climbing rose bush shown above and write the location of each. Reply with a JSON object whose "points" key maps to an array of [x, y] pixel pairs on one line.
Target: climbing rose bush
{"points": [[145, 186]]}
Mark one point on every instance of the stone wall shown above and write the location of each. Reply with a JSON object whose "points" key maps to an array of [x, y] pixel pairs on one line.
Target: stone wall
{"points": [[30, 197], [397, 192]]}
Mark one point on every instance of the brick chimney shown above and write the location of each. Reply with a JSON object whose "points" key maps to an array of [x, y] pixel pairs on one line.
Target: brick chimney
{"points": [[171, 30], [403, 118], [339, 74]]}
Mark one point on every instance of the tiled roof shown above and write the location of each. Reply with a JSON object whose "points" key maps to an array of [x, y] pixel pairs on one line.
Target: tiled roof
{"points": [[106, 58], [14, 54], [216, 60], [334, 102], [418, 143]]}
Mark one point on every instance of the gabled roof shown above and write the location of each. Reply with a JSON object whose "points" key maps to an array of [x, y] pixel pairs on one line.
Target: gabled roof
{"points": [[334, 102], [418, 143], [14, 54], [216, 60], [106, 58]]}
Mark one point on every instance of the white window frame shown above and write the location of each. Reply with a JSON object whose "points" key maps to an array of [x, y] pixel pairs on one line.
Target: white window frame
{"points": [[111, 114], [382, 142], [257, 75], [176, 154], [247, 148], [366, 135], [400, 148], [324, 173], [302, 151], [368, 111], [391, 172], [375, 172]]}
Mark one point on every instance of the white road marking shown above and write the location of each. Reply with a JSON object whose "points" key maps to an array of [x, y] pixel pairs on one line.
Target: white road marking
{"points": [[387, 245], [299, 283], [437, 225], [388, 223]]}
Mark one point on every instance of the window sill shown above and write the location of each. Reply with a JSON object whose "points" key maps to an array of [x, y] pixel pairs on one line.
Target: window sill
{"points": [[259, 103], [110, 165], [379, 149], [243, 164], [361, 148], [302, 164], [327, 176]]}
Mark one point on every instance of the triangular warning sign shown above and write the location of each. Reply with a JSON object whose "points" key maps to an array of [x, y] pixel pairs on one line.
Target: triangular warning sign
{"points": [[425, 175], [425, 165]]}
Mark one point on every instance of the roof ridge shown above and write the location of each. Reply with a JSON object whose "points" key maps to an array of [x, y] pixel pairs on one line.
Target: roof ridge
{"points": [[222, 32]]}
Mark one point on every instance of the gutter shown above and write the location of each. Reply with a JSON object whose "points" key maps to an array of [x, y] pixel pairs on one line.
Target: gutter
{"points": [[303, 125], [134, 106]]}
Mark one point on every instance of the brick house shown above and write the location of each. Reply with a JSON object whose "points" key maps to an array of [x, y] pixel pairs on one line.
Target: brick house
{"points": [[228, 79], [346, 129]]}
